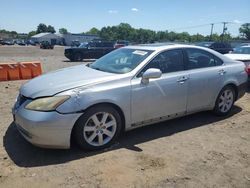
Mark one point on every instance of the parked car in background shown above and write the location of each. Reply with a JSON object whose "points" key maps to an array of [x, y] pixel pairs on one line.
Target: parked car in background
{"points": [[1, 42], [75, 43], [242, 54], [241, 50], [20, 42], [30, 42], [241, 44], [91, 50], [220, 47], [127, 88], [46, 45], [8, 42], [121, 43]]}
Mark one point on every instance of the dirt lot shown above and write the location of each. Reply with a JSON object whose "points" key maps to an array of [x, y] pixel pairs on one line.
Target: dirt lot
{"points": [[200, 150]]}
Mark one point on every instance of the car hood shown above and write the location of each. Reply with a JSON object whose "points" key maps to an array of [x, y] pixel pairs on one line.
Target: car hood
{"points": [[64, 79]]}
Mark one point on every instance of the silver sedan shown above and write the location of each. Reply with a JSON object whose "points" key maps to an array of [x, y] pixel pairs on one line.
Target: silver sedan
{"points": [[125, 89]]}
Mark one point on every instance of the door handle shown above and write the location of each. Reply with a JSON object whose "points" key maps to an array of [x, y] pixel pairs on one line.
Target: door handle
{"points": [[182, 79], [222, 72]]}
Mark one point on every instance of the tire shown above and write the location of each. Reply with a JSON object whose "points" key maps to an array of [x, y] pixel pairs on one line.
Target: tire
{"points": [[97, 128], [78, 57], [225, 101]]}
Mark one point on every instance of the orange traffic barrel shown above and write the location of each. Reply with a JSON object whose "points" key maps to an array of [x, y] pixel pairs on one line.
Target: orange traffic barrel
{"points": [[17, 71], [12, 71], [3, 73], [25, 71], [30, 69]]}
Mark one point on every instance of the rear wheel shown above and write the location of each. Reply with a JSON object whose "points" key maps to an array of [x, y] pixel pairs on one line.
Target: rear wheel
{"points": [[225, 101], [98, 128]]}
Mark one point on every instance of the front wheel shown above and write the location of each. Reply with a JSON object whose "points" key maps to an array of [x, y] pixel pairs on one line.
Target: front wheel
{"points": [[98, 128], [225, 101]]}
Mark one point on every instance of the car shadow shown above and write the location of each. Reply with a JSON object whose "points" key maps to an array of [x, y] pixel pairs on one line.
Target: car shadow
{"points": [[24, 154], [248, 88]]}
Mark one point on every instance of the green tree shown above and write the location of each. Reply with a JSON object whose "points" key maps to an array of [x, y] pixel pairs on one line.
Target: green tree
{"points": [[124, 31], [184, 37], [245, 30], [63, 31], [31, 33], [51, 29], [106, 33], [93, 31], [41, 28]]}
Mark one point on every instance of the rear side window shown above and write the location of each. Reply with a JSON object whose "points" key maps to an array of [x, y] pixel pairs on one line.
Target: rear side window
{"points": [[198, 58], [217, 61], [108, 44], [227, 45], [92, 44], [221, 45], [168, 61]]}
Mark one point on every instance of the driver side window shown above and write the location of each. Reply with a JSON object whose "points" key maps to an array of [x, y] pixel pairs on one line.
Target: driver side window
{"points": [[168, 61]]}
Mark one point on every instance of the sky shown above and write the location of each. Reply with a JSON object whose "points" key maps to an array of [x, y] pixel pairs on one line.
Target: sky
{"points": [[193, 16]]}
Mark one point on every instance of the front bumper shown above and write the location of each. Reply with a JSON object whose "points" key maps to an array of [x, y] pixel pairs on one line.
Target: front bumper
{"points": [[45, 129], [68, 55]]}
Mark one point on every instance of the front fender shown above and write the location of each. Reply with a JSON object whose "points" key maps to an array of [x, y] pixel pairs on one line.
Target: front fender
{"points": [[83, 98]]}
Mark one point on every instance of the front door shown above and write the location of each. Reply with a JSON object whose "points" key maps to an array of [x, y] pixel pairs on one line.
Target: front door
{"points": [[163, 96]]}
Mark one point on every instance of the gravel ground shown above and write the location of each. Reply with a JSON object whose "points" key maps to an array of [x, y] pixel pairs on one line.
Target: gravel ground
{"points": [[199, 150]]}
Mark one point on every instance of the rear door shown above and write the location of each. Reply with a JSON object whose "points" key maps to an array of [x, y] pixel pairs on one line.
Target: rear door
{"points": [[107, 47], [206, 75], [90, 51]]}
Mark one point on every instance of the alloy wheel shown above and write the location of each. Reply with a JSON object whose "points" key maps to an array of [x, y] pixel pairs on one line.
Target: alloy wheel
{"points": [[99, 129], [226, 100]]}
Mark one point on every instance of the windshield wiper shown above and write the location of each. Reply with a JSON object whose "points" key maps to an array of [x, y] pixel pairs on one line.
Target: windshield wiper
{"points": [[96, 68]]}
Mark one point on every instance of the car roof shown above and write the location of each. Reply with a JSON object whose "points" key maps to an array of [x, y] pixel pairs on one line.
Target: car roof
{"points": [[163, 46], [160, 46], [247, 46]]}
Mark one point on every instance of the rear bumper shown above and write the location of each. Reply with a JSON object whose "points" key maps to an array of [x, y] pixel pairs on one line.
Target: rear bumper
{"points": [[242, 88]]}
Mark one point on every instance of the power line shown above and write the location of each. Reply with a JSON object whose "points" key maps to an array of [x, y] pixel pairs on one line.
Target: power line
{"points": [[202, 25], [189, 27]]}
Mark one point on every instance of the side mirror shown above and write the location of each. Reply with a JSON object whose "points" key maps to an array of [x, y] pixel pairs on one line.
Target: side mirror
{"points": [[150, 73]]}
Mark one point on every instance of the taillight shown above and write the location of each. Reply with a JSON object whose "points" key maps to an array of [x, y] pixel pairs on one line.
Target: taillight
{"points": [[247, 69]]}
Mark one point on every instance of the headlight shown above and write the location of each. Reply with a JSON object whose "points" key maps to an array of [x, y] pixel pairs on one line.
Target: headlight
{"points": [[47, 103]]}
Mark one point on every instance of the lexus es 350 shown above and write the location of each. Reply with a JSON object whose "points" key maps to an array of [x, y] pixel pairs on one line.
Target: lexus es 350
{"points": [[125, 89]]}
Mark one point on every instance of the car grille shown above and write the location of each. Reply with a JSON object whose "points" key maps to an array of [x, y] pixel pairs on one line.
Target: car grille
{"points": [[20, 100]]}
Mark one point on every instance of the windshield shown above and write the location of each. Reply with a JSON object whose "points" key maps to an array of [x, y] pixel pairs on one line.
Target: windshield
{"points": [[121, 61], [83, 45], [204, 44], [241, 50]]}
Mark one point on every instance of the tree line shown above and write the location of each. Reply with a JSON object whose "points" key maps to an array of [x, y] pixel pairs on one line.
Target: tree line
{"points": [[124, 31]]}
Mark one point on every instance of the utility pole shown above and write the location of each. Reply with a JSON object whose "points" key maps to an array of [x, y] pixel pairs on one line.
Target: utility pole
{"points": [[212, 28], [224, 30]]}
